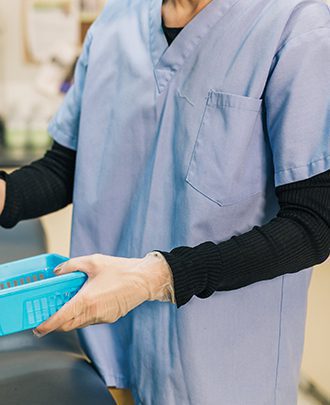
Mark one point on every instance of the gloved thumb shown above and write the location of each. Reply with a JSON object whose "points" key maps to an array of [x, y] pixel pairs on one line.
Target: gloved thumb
{"points": [[68, 266], [90, 265]]}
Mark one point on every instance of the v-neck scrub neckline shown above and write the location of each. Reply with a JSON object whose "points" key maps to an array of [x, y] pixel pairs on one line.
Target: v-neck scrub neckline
{"points": [[168, 60]]}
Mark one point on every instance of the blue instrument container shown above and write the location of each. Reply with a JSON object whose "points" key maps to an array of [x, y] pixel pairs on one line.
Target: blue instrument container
{"points": [[30, 292]]}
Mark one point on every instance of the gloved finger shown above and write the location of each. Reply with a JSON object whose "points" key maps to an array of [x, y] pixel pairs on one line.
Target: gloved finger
{"points": [[69, 311], [77, 323], [70, 325], [83, 263]]}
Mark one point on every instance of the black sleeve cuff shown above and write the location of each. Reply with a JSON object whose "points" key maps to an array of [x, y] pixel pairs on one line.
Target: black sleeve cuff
{"points": [[190, 270]]}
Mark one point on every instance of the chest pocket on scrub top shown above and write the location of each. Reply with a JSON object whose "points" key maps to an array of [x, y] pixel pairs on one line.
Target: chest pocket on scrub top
{"points": [[226, 163]]}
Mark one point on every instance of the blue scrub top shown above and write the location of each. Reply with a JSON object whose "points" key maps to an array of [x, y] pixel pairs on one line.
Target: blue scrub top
{"points": [[183, 144]]}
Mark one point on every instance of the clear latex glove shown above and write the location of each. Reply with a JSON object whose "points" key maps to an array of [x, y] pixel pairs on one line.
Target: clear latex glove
{"points": [[114, 287]]}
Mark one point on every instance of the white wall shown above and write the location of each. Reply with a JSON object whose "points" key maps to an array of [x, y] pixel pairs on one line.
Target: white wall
{"points": [[20, 102], [13, 70]]}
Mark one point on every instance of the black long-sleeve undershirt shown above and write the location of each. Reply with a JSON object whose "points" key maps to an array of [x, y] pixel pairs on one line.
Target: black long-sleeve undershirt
{"points": [[299, 237], [40, 188]]}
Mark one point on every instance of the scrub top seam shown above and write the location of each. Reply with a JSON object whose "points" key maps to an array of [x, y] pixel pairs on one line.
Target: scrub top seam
{"points": [[56, 131], [176, 69], [237, 108], [59, 130], [308, 164], [151, 36], [283, 46], [279, 344], [197, 137]]}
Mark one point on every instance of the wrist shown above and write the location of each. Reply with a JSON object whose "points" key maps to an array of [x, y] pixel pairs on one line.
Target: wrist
{"points": [[160, 278]]}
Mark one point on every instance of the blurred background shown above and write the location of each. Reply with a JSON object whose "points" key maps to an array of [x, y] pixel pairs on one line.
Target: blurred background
{"points": [[39, 44]]}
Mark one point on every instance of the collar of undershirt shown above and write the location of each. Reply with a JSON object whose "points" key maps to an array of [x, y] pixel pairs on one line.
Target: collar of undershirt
{"points": [[171, 33]]}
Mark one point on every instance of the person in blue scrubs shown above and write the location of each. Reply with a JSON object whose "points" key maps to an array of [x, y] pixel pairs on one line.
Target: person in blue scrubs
{"points": [[177, 145]]}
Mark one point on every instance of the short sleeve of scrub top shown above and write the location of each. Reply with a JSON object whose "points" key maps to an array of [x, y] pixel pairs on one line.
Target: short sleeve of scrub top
{"points": [[64, 127], [297, 101]]}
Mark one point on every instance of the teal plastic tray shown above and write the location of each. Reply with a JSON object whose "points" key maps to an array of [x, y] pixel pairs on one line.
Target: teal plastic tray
{"points": [[30, 292]]}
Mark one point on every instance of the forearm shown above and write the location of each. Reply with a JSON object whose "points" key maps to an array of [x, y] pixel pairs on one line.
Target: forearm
{"points": [[296, 239], [43, 187]]}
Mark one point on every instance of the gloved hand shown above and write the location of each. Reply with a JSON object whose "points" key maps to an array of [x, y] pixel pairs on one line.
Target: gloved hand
{"points": [[114, 287]]}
